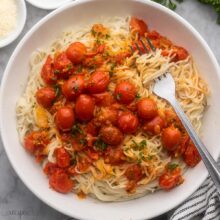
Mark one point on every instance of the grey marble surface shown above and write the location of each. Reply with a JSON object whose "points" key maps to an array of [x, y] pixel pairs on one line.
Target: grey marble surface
{"points": [[16, 201]]}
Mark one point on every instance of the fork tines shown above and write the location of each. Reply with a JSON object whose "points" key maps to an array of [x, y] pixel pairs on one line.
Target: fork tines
{"points": [[144, 49]]}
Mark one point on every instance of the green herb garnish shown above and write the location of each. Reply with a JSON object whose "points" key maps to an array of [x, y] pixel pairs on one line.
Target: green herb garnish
{"points": [[76, 130], [118, 96], [76, 87], [172, 166], [100, 145], [56, 71]]}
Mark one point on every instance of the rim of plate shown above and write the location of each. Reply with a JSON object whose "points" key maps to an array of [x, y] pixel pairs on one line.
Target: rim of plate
{"points": [[48, 6], [47, 201]]}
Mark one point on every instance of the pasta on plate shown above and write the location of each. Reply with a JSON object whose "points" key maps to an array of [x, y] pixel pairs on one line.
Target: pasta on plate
{"points": [[90, 119]]}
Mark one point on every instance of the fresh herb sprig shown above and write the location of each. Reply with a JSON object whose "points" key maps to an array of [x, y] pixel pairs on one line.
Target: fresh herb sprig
{"points": [[172, 5]]}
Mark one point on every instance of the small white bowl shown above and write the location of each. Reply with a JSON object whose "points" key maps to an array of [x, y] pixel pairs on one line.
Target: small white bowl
{"points": [[48, 4], [21, 18]]}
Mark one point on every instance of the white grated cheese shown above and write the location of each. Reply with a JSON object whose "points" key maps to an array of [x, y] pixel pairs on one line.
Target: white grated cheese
{"points": [[8, 17]]}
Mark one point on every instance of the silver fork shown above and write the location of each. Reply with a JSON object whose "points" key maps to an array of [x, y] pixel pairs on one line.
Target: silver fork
{"points": [[165, 88]]}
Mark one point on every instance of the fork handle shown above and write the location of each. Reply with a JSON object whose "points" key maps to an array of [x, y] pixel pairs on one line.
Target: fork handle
{"points": [[208, 160]]}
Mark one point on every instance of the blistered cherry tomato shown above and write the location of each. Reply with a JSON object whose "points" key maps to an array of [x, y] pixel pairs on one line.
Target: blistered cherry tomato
{"points": [[134, 172], [103, 99], [114, 156], [191, 156], [147, 108], [125, 92], [170, 179], [154, 126], [181, 53], [111, 135], [50, 168], [106, 116], [35, 141], [63, 67], [139, 26], [84, 107], [60, 181], [47, 72], [45, 96], [98, 82], [76, 52], [171, 138], [83, 164], [128, 122], [73, 87], [62, 157], [65, 118]]}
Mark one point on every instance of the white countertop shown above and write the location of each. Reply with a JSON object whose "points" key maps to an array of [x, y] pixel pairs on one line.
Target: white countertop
{"points": [[16, 201]]}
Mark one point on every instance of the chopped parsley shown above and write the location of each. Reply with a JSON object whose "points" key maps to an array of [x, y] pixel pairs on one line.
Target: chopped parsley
{"points": [[69, 67], [56, 71], [100, 145], [111, 72], [138, 96], [172, 166], [118, 96], [93, 32], [149, 157], [83, 141], [107, 36], [57, 90], [139, 146], [79, 70], [76, 130], [76, 87]]}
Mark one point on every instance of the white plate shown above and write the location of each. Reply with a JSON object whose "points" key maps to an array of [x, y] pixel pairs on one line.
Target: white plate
{"points": [[16, 75], [48, 4], [21, 18]]}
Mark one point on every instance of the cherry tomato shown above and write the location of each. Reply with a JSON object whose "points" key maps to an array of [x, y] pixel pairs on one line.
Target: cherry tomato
{"points": [[100, 49], [180, 53], [60, 181], [154, 126], [91, 128], [139, 26], [125, 92], [76, 52], [84, 107], [73, 87], [47, 72], [96, 61], [106, 115], [134, 172], [128, 123], [122, 56], [50, 168], [147, 108], [83, 164], [103, 99], [45, 96], [114, 156], [111, 135], [98, 82], [62, 157], [92, 154], [171, 138], [63, 67], [65, 118], [170, 179], [153, 35], [35, 141], [191, 156]]}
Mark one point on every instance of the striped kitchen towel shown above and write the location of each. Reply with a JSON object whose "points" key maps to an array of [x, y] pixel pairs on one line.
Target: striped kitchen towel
{"points": [[204, 203]]}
